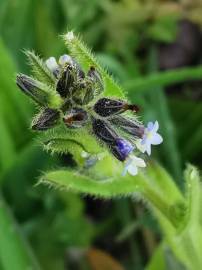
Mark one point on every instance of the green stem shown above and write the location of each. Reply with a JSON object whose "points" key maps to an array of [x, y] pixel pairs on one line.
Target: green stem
{"points": [[159, 204]]}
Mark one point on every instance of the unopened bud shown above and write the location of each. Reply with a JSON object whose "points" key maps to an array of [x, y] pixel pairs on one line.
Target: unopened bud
{"points": [[47, 119], [33, 88]]}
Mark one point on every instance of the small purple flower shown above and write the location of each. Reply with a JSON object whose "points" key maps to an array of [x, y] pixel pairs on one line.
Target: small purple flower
{"points": [[124, 147]]}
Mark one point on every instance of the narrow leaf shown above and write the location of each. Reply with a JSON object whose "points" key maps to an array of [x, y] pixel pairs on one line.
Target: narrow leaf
{"points": [[76, 182], [15, 253], [39, 69]]}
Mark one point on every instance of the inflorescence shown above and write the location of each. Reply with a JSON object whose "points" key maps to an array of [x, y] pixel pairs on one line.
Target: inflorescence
{"points": [[78, 102]]}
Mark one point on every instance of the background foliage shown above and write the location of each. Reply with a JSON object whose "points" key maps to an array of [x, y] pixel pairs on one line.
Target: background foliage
{"points": [[50, 229]]}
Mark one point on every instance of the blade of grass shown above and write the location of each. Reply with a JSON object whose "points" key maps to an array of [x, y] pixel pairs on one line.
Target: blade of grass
{"points": [[12, 100], [163, 79], [15, 253]]}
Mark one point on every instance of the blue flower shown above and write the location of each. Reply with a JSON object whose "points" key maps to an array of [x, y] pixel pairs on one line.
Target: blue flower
{"points": [[150, 137]]}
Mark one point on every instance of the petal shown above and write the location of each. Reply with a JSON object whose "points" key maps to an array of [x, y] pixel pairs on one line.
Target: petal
{"points": [[148, 148], [156, 126], [65, 59], [156, 139], [125, 170], [139, 162], [144, 139], [52, 64], [84, 154], [150, 126], [127, 164], [132, 170]]}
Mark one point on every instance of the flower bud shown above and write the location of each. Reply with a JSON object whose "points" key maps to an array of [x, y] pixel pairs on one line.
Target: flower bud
{"points": [[65, 59], [33, 88], [106, 107], [103, 132], [119, 147], [65, 83], [48, 118], [84, 93], [53, 66], [128, 125], [122, 149]]}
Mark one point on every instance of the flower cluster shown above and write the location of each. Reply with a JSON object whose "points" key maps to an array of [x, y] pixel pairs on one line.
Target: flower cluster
{"points": [[76, 100]]}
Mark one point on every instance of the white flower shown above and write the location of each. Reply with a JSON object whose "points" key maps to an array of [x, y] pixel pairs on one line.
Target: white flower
{"points": [[150, 137], [84, 154], [52, 64], [69, 36], [65, 59], [132, 165]]}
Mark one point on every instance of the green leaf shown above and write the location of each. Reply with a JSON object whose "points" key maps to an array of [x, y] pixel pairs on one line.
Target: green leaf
{"points": [[39, 69], [12, 100], [76, 182], [15, 252], [8, 151]]}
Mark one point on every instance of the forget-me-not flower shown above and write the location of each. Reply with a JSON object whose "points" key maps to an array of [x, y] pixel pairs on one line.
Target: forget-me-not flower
{"points": [[132, 165], [150, 137]]}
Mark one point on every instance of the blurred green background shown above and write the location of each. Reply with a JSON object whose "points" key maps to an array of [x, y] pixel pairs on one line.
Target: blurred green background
{"points": [[132, 39]]}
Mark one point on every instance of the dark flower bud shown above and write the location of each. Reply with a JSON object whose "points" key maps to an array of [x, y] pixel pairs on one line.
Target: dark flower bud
{"points": [[70, 77], [120, 148], [33, 88], [65, 83], [95, 76], [84, 93], [106, 107], [48, 118], [103, 131], [130, 126], [75, 118]]}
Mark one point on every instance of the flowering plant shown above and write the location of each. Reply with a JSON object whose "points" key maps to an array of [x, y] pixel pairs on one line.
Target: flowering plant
{"points": [[73, 99], [85, 113]]}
